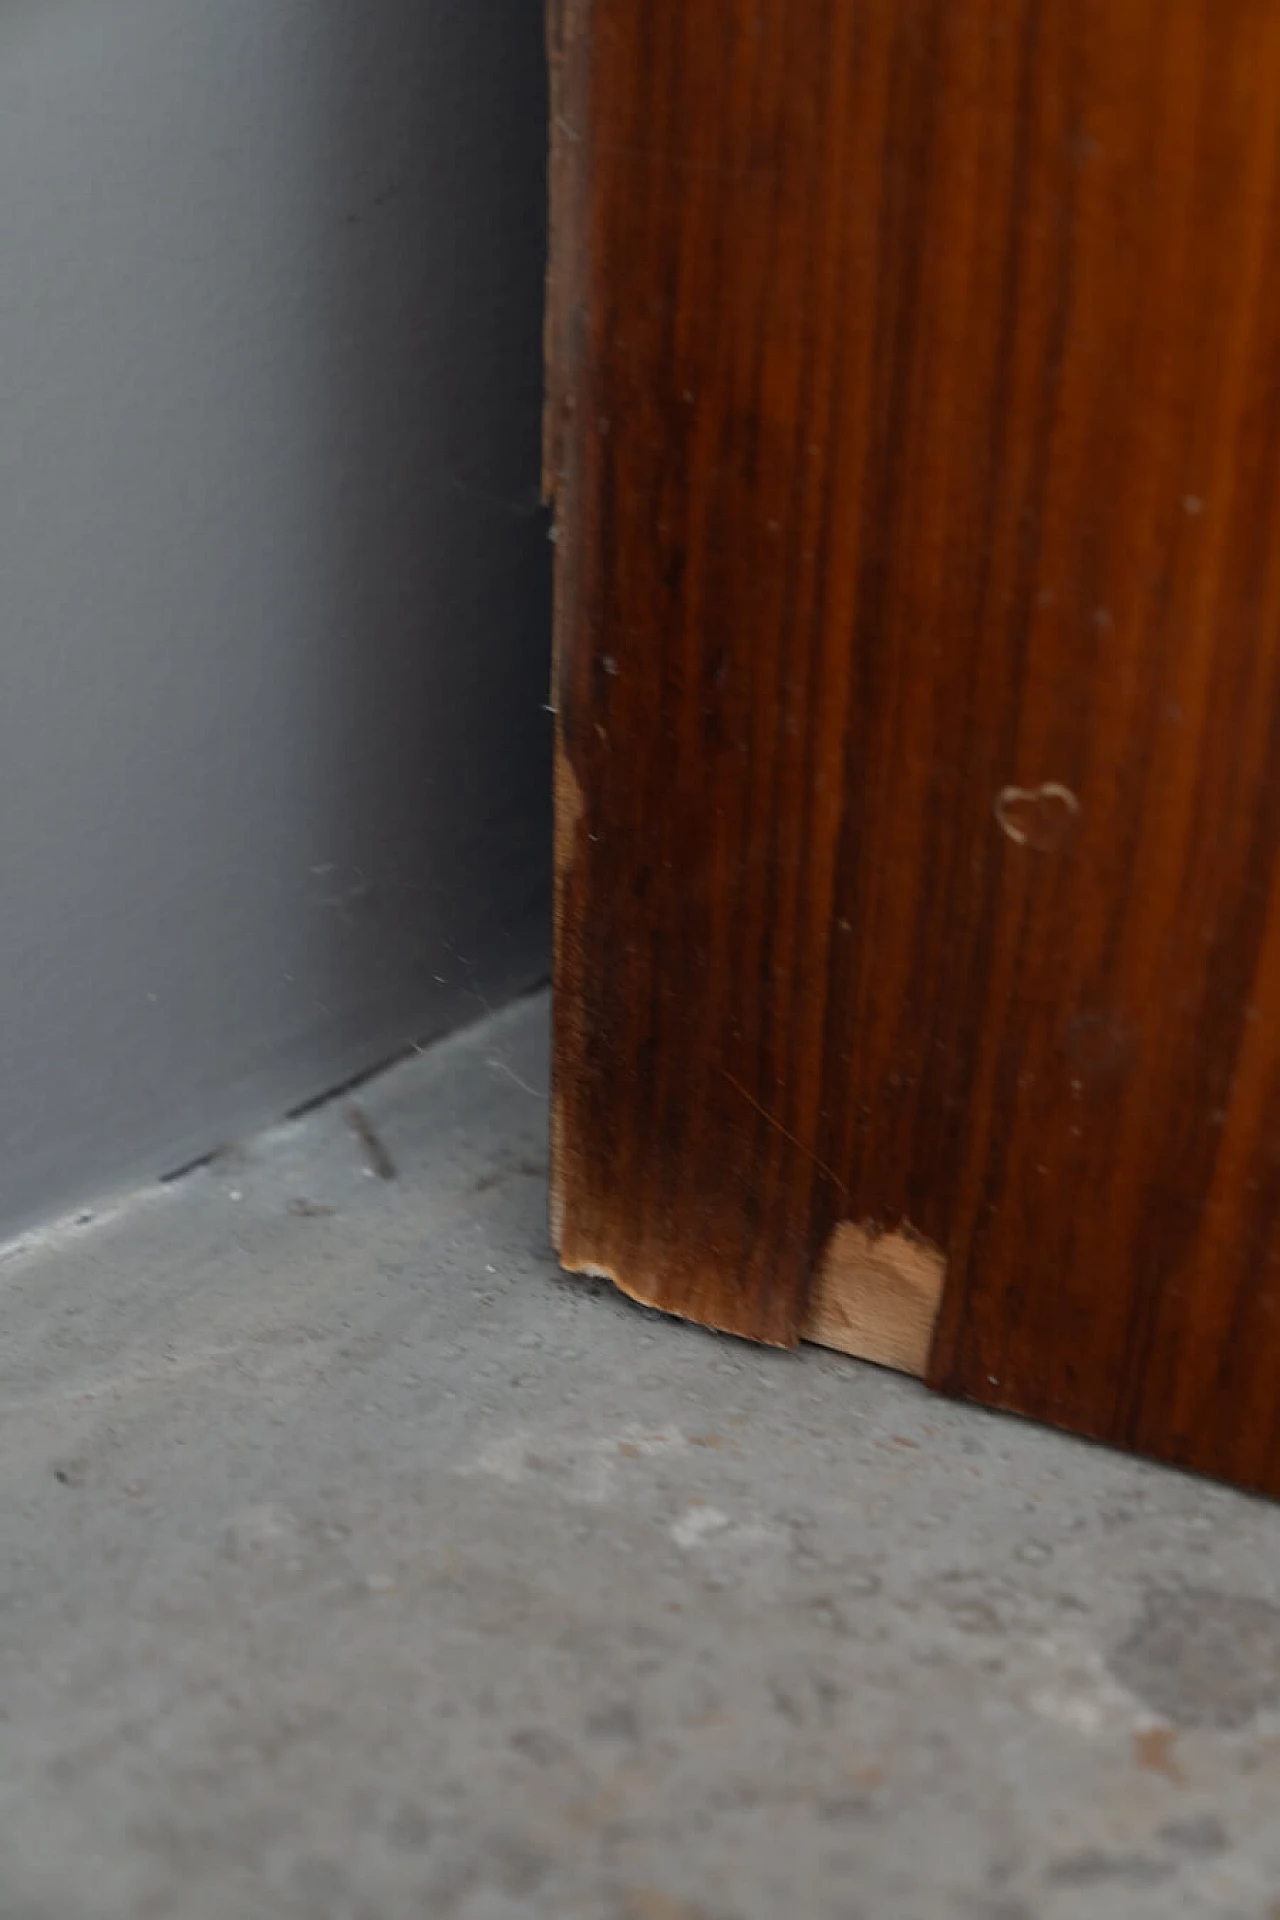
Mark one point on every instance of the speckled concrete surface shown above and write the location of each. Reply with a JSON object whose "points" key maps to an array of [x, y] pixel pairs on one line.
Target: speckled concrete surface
{"points": [[357, 1566]]}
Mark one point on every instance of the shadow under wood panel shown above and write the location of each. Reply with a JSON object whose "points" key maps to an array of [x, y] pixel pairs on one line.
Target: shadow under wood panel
{"points": [[915, 428]]}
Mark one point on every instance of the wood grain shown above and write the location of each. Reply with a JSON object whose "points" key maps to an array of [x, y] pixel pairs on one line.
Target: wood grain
{"points": [[914, 422]]}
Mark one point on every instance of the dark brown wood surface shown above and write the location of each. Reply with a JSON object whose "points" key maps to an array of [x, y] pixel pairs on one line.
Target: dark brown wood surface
{"points": [[915, 429]]}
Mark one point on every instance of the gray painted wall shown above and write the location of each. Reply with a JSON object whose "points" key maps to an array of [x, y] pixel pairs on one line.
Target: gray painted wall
{"points": [[273, 575]]}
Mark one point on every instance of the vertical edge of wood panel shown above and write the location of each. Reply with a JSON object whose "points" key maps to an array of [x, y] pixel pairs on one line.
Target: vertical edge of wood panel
{"points": [[568, 31], [568, 24]]}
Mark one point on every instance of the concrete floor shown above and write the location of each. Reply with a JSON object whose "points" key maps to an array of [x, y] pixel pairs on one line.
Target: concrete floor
{"points": [[357, 1566]]}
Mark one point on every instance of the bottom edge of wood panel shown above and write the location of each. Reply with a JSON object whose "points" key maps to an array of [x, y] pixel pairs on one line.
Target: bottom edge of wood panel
{"points": [[875, 1295]]}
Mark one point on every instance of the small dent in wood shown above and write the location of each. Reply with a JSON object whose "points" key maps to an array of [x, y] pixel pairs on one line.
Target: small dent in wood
{"points": [[1038, 817], [876, 1296]]}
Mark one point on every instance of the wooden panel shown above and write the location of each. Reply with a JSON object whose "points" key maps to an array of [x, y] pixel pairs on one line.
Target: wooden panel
{"points": [[914, 419]]}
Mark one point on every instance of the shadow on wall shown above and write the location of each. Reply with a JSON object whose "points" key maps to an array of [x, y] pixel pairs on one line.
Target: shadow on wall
{"points": [[441, 562], [274, 578]]}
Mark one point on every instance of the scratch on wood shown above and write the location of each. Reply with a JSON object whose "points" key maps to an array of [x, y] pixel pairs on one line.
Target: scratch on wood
{"points": [[786, 1132]]}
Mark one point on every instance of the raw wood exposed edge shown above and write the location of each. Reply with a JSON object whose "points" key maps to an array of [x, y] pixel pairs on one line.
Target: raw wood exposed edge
{"points": [[568, 52], [877, 1296], [649, 1290]]}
